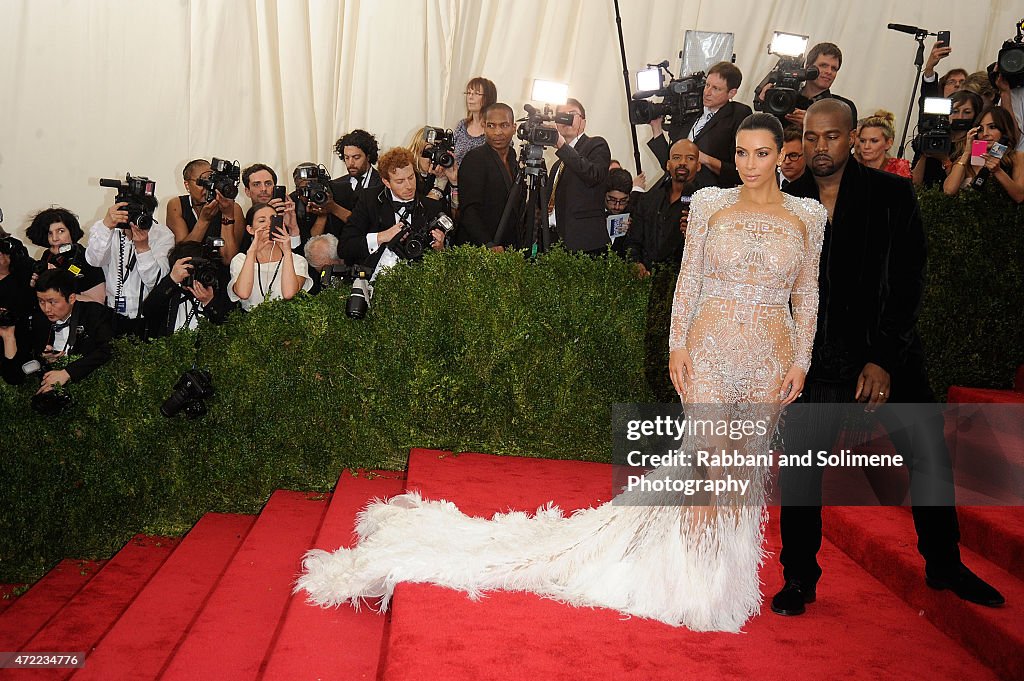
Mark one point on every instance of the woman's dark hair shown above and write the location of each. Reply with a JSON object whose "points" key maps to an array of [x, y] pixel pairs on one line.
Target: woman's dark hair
{"points": [[619, 180], [961, 96], [489, 91], [39, 231], [763, 121], [361, 139], [250, 214]]}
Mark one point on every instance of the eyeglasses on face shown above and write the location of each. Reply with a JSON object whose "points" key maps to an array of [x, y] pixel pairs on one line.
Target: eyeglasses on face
{"points": [[616, 202], [793, 156]]}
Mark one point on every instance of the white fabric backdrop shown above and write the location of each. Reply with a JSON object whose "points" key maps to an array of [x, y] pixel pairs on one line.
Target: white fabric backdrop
{"points": [[94, 89]]}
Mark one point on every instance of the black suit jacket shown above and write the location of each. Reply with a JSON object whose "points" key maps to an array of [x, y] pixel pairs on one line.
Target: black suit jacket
{"points": [[871, 278], [374, 212], [579, 196], [716, 139], [345, 196], [160, 308], [91, 334], [484, 186]]}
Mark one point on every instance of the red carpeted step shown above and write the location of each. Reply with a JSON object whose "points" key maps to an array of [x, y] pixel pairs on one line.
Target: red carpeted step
{"points": [[337, 643], [9, 594], [884, 542], [231, 636], [95, 608], [23, 618], [146, 635], [996, 532], [848, 634]]}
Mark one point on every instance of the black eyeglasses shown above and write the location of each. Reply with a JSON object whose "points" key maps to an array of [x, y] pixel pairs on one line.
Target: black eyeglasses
{"points": [[793, 156], [616, 202]]}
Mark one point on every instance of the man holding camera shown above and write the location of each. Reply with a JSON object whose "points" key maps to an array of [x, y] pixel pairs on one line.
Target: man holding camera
{"points": [[486, 177], [195, 287], [576, 200], [828, 59], [62, 326], [133, 261], [713, 130], [191, 217], [383, 216], [260, 183], [316, 211]]}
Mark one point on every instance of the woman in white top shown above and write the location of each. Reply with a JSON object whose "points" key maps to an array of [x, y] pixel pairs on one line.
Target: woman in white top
{"points": [[261, 273]]}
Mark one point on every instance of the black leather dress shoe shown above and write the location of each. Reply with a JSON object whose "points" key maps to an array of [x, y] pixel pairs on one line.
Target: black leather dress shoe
{"points": [[793, 597], [967, 586]]}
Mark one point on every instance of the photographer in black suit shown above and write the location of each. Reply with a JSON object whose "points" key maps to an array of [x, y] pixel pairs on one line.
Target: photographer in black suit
{"points": [[382, 213], [576, 199], [62, 327], [181, 297], [713, 130]]}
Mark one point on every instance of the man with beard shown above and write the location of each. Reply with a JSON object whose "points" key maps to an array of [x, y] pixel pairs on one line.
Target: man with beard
{"points": [[659, 222], [870, 286]]}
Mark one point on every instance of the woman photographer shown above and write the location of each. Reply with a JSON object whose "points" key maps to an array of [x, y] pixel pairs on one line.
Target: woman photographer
{"points": [[58, 231], [433, 181], [995, 125], [268, 269], [932, 170]]}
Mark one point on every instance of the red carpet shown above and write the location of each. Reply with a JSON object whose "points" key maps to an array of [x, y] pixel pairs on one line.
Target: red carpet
{"points": [[996, 532], [848, 634], [25, 616]]}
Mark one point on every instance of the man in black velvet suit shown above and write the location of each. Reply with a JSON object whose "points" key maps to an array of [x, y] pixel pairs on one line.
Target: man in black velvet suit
{"points": [[485, 180], [576, 198], [61, 327], [381, 213], [713, 130], [867, 349]]}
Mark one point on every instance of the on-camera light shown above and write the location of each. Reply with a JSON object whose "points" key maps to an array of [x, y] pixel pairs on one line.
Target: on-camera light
{"points": [[938, 105], [648, 80], [788, 44], [550, 92]]}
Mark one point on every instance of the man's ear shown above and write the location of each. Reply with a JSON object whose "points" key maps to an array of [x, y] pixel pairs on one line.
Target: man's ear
{"points": [[732, 92], [72, 298]]}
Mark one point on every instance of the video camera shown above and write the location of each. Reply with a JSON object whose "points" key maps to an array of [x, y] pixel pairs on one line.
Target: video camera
{"points": [[1011, 58], [679, 98], [316, 189], [532, 129], [411, 242], [787, 78], [224, 178], [140, 195], [934, 128], [440, 147]]}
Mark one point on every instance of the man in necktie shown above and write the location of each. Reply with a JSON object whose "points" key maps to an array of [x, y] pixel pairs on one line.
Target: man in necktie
{"points": [[713, 129], [62, 327]]}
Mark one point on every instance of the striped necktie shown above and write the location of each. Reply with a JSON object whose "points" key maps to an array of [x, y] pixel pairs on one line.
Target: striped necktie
{"points": [[699, 125]]}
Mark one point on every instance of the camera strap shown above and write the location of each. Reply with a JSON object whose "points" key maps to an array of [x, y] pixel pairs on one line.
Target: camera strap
{"points": [[259, 275]]}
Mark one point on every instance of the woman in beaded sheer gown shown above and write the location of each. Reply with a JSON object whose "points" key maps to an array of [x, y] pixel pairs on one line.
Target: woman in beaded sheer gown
{"points": [[751, 254]]}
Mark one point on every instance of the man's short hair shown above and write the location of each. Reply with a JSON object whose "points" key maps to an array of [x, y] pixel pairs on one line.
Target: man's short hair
{"points": [[827, 49], [361, 139], [619, 180], [190, 167], [572, 101], [58, 279], [942, 81], [979, 84], [188, 249], [329, 240], [39, 231], [395, 159], [728, 72], [503, 107], [255, 168], [792, 133], [831, 105]]}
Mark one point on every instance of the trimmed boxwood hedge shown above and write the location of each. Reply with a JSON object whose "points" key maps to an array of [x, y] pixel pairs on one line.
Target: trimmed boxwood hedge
{"points": [[469, 351]]}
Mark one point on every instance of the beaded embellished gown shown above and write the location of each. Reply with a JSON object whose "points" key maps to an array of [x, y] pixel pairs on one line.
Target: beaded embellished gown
{"points": [[745, 308]]}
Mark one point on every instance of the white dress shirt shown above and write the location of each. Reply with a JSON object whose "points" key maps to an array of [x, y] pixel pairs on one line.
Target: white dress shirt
{"points": [[111, 250]]}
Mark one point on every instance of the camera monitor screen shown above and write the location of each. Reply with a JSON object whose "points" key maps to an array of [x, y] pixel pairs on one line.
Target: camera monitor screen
{"points": [[704, 49], [938, 105]]}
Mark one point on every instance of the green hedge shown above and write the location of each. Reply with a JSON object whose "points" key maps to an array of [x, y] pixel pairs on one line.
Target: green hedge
{"points": [[467, 351]]}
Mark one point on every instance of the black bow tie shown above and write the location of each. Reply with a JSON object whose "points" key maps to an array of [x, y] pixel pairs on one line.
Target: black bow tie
{"points": [[60, 326], [407, 205]]}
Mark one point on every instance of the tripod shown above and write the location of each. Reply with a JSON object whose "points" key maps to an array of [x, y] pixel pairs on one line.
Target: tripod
{"points": [[919, 63], [524, 220]]}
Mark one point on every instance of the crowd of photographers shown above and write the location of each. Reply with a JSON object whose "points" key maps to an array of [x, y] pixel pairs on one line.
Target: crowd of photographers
{"points": [[140, 277]]}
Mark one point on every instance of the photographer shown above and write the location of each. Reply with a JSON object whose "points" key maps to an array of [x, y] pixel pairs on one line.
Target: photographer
{"points": [[58, 231], [487, 174], [1012, 99], [930, 170], [268, 269], [195, 287], [382, 214], [16, 298], [62, 327], [321, 253], [133, 261], [994, 125], [314, 217], [358, 149], [931, 84], [192, 218], [828, 59], [434, 181], [713, 130], [576, 200]]}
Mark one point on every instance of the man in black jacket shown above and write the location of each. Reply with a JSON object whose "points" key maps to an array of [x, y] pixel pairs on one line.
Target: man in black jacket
{"points": [[485, 180], [179, 299], [867, 350], [62, 327], [358, 149], [576, 197], [713, 130]]}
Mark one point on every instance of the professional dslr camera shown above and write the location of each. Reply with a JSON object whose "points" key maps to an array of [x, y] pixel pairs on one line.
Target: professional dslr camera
{"points": [[679, 98], [194, 386], [140, 195], [224, 178], [411, 242], [532, 129], [316, 190], [934, 128], [69, 257], [203, 271], [787, 78], [1011, 58], [440, 147]]}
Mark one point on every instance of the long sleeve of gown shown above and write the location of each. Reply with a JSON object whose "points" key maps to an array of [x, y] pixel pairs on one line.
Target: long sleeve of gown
{"points": [[691, 272], [804, 297]]}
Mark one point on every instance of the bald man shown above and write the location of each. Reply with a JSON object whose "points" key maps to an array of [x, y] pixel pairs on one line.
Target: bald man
{"points": [[659, 222], [867, 350]]}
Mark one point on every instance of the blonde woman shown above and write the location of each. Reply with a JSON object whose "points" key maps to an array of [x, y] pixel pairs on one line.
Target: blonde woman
{"points": [[875, 135]]}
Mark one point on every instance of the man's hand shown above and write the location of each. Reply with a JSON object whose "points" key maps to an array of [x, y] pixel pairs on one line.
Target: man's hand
{"points": [[50, 355], [438, 243], [640, 181], [181, 270], [797, 116], [656, 126], [1003, 85], [684, 222], [203, 294], [497, 249], [7, 336], [116, 215], [872, 386], [140, 237], [388, 234], [226, 205], [52, 379], [938, 53], [561, 142]]}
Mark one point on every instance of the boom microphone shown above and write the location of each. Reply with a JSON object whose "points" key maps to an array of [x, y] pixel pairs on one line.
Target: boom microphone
{"points": [[905, 28]]}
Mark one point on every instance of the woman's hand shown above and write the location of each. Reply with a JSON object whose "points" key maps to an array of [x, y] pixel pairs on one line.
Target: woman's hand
{"points": [[792, 385], [680, 369]]}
